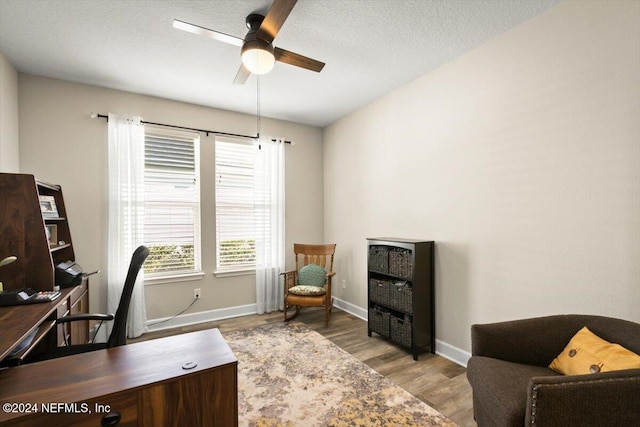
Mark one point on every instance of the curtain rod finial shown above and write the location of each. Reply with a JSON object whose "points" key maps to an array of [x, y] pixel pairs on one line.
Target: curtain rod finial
{"points": [[94, 115]]}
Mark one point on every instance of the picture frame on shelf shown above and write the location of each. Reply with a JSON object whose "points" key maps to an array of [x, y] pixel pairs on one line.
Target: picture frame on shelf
{"points": [[48, 207], [52, 235]]}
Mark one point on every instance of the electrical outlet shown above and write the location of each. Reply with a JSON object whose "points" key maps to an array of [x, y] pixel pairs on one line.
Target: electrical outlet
{"points": [[344, 284], [196, 293]]}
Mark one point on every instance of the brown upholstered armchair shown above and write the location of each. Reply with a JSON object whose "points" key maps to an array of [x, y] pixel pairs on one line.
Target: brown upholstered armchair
{"points": [[512, 385]]}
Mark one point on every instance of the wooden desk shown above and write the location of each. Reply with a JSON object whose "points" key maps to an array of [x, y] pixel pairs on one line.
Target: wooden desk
{"points": [[18, 321], [144, 382]]}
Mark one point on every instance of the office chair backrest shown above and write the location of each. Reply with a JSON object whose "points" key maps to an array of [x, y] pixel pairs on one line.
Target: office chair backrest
{"points": [[119, 332]]}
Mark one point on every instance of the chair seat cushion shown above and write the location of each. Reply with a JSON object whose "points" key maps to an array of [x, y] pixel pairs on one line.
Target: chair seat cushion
{"points": [[312, 275], [305, 290], [503, 387]]}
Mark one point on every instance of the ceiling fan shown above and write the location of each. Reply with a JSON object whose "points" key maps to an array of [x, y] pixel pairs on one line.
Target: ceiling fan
{"points": [[257, 51]]}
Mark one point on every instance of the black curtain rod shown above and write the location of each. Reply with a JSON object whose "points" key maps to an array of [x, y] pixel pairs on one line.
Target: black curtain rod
{"points": [[207, 132]]}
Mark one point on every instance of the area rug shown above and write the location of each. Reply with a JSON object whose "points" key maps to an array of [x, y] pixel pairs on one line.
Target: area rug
{"points": [[290, 375]]}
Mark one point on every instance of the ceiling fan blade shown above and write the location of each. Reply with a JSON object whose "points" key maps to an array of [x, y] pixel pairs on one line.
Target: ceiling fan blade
{"points": [[196, 29], [242, 75], [277, 14], [298, 60]]}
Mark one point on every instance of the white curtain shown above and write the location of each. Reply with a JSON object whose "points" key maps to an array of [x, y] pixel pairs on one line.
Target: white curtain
{"points": [[269, 221], [126, 215]]}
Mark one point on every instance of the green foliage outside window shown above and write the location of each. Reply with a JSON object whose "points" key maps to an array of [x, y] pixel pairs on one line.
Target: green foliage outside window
{"points": [[241, 252], [166, 258]]}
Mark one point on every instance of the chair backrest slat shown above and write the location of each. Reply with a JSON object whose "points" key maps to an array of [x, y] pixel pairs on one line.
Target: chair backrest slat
{"points": [[314, 254]]}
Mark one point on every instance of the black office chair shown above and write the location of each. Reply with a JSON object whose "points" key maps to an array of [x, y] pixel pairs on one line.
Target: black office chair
{"points": [[118, 334]]}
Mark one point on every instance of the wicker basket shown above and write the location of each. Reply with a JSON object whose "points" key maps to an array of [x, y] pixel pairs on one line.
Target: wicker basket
{"points": [[401, 263], [400, 330], [379, 321], [379, 290], [379, 259], [401, 297]]}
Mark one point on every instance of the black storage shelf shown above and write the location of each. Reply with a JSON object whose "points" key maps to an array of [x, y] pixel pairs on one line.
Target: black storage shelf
{"points": [[402, 306], [388, 275]]}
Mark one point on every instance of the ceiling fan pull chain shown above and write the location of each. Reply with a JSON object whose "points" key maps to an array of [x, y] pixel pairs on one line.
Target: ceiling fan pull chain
{"points": [[258, 109]]}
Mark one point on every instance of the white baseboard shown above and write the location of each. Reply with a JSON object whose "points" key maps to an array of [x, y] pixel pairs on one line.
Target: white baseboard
{"points": [[453, 353], [353, 309], [443, 349], [200, 317]]}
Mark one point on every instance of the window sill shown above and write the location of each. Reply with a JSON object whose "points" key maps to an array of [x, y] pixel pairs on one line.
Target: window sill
{"points": [[235, 273], [161, 280]]}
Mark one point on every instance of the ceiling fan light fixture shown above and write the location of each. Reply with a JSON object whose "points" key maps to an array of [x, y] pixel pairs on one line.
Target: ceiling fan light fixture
{"points": [[257, 56]]}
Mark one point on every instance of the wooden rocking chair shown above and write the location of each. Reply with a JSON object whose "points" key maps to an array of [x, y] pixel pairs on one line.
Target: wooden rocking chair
{"points": [[300, 295]]}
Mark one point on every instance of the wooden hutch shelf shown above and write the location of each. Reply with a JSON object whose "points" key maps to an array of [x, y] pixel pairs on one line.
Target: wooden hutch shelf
{"points": [[34, 228], [40, 238]]}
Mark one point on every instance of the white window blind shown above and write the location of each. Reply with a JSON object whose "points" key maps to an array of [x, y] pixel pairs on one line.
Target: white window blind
{"points": [[235, 235], [171, 203]]}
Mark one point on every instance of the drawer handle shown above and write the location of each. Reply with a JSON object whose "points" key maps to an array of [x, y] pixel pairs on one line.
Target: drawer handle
{"points": [[111, 419]]}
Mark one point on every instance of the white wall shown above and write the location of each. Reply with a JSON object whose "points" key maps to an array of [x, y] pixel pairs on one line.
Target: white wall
{"points": [[521, 159], [9, 148], [60, 143]]}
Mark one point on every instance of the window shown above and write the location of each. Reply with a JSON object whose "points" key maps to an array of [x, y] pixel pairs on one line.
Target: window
{"points": [[171, 203], [235, 236]]}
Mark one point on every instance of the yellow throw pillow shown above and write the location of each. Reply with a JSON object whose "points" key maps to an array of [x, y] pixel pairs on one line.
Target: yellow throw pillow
{"points": [[587, 353]]}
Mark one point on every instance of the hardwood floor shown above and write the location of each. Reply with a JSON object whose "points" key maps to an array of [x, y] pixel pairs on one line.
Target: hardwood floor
{"points": [[435, 380]]}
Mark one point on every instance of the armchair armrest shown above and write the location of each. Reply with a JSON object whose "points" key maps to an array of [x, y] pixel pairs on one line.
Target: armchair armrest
{"points": [[330, 274], [84, 316], [290, 279], [604, 399]]}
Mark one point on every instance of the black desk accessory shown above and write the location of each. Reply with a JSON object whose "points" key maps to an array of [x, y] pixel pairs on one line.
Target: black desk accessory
{"points": [[26, 296]]}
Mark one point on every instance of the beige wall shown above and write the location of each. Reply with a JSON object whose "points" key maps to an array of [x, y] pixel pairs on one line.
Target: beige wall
{"points": [[9, 148], [60, 143], [521, 159]]}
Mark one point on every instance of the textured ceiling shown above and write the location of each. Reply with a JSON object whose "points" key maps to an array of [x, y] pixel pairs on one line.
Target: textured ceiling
{"points": [[370, 47]]}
